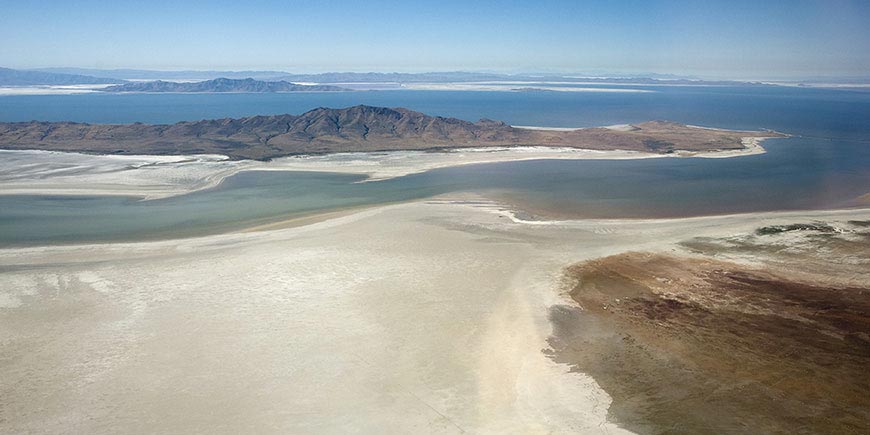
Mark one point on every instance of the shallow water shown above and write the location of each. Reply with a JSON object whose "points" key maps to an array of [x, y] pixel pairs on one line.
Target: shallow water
{"points": [[829, 167]]}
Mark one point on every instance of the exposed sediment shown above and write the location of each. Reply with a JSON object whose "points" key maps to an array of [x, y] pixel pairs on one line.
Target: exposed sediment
{"points": [[776, 341]]}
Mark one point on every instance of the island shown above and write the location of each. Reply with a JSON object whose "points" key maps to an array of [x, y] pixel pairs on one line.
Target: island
{"points": [[357, 129]]}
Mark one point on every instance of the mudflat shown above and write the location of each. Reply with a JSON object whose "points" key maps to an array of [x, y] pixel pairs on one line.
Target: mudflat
{"points": [[433, 316], [761, 333]]}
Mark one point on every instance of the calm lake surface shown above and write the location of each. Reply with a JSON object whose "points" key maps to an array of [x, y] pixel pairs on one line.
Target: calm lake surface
{"points": [[827, 164]]}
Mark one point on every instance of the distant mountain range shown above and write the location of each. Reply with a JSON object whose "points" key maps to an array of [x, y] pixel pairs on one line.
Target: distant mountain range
{"points": [[144, 74], [14, 77], [221, 85], [330, 77], [465, 77], [378, 77], [76, 76], [357, 129]]}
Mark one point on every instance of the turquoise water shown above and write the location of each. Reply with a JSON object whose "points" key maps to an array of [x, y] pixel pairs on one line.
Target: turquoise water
{"points": [[827, 167]]}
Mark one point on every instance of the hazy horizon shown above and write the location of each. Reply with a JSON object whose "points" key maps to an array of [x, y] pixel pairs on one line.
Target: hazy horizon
{"points": [[718, 40], [542, 73]]}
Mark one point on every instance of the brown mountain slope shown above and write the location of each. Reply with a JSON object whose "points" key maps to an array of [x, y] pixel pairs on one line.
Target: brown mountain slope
{"points": [[357, 128]]}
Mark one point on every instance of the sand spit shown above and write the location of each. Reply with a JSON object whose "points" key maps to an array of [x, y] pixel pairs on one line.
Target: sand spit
{"points": [[424, 317], [152, 177]]}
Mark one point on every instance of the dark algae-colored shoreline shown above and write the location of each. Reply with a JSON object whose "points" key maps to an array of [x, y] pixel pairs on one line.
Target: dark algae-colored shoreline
{"points": [[688, 344]]}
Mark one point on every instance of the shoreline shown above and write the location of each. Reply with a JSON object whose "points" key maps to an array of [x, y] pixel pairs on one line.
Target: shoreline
{"points": [[155, 177], [462, 200], [480, 202], [669, 332]]}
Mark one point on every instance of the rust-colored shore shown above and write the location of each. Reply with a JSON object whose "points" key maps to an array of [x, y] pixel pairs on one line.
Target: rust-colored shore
{"points": [[693, 344]]}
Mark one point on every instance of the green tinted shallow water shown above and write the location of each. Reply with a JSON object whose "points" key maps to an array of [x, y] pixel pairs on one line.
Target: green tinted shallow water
{"points": [[798, 173], [795, 174]]}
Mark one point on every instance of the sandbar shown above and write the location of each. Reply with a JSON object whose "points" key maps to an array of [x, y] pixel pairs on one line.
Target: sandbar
{"points": [[152, 177]]}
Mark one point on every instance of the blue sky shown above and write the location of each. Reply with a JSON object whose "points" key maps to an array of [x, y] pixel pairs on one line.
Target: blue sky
{"points": [[741, 39]]}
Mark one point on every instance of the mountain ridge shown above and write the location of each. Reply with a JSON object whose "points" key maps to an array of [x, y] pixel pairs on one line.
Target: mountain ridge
{"points": [[351, 77], [221, 84], [15, 77]]}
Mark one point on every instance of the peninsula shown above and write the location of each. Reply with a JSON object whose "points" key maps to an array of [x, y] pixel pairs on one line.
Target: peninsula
{"points": [[355, 129]]}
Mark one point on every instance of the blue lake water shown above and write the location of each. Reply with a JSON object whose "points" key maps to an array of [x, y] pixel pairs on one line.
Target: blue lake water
{"points": [[828, 166]]}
